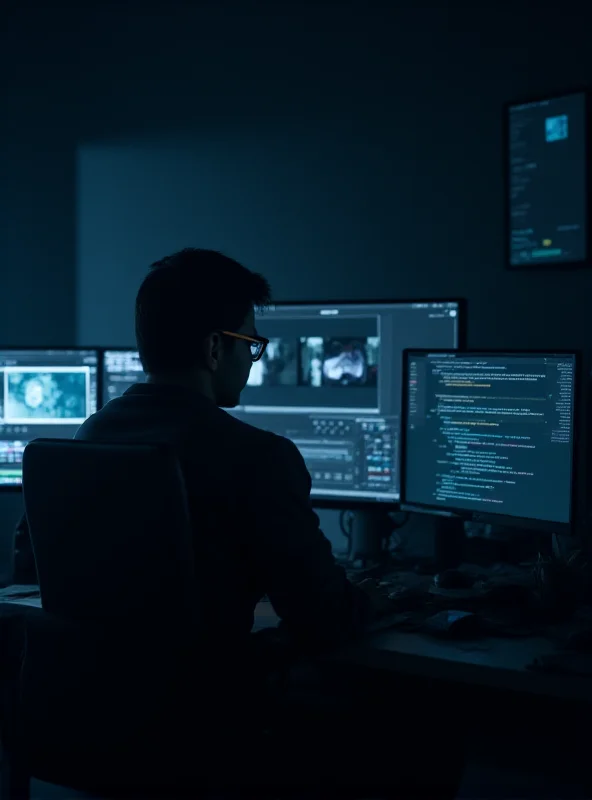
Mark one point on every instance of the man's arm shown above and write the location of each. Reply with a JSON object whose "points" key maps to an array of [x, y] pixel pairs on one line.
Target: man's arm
{"points": [[307, 588]]}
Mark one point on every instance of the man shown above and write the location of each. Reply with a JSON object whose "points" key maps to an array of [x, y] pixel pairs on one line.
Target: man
{"points": [[248, 489], [255, 531]]}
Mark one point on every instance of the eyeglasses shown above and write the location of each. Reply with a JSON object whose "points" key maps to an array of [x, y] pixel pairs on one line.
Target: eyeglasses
{"points": [[257, 343]]}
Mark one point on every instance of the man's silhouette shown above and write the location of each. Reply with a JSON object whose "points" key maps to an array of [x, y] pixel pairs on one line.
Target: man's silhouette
{"points": [[255, 531]]}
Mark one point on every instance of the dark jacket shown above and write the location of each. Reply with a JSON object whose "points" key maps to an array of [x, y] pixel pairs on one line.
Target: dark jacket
{"points": [[255, 531]]}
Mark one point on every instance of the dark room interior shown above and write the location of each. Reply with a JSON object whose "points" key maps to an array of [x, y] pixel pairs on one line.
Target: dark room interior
{"points": [[359, 157]]}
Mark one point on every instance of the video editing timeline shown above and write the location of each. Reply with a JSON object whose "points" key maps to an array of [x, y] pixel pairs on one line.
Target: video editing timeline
{"points": [[43, 393], [121, 369], [330, 380], [491, 433], [547, 181]]}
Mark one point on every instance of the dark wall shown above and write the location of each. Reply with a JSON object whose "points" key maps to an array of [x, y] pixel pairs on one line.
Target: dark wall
{"points": [[37, 192], [345, 151], [37, 180]]}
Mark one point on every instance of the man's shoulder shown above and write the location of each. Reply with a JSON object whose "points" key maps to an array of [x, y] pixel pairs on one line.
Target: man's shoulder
{"points": [[218, 430], [259, 437], [270, 458]]}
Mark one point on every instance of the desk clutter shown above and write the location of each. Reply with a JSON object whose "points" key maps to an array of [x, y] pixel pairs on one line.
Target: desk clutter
{"points": [[500, 601], [475, 603]]}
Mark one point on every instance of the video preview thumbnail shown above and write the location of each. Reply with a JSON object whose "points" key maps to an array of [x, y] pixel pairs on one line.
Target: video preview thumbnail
{"points": [[314, 361], [43, 395]]}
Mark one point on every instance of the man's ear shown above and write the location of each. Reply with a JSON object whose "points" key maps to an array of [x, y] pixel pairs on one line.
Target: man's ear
{"points": [[212, 350]]}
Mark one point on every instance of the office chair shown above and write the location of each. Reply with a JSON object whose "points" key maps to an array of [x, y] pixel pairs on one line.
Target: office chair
{"points": [[108, 689], [114, 684]]}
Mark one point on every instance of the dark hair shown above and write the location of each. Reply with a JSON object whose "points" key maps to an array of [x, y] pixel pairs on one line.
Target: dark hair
{"points": [[187, 296]]}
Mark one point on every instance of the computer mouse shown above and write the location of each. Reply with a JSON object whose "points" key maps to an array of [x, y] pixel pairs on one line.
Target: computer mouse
{"points": [[453, 579], [454, 625]]}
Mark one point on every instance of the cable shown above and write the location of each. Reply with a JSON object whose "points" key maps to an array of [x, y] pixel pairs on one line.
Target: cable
{"points": [[396, 541], [344, 528]]}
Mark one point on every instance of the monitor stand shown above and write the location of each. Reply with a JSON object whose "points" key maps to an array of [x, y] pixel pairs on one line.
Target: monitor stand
{"points": [[449, 542], [368, 533]]}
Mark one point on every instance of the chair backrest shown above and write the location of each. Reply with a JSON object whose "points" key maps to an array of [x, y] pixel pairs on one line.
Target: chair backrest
{"points": [[111, 532]]}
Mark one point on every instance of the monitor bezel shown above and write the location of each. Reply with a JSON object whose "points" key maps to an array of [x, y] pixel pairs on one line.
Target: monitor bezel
{"points": [[68, 348], [564, 265], [503, 520], [322, 502], [104, 350], [461, 301]]}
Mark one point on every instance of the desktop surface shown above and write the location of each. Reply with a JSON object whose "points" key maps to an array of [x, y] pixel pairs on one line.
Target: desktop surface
{"points": [[491, 434], [43, 393], [547, 178], [330, 380], [499, 662]]}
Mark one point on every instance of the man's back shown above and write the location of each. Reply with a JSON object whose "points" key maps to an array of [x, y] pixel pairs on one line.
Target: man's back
{"points": [[255, 532]]}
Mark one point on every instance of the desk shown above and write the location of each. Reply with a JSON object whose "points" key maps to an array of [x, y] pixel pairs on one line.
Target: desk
{"points": [[488, 663], [538, 714]]}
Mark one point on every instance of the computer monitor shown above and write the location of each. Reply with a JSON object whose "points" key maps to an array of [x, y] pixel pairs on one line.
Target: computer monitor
{"points": [[43, 393], [330, 380], [121, 368], [547, 181], [490, 436]]}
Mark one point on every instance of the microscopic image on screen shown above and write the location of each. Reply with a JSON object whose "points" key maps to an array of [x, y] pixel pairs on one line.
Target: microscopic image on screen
{"points": [[311, 361], [342, 361], [1, 394], [556, 128], [278, 366], [45, 395]]}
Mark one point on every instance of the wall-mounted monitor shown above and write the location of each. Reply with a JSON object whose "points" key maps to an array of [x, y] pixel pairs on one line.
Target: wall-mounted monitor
{"points": [[547, 179]]}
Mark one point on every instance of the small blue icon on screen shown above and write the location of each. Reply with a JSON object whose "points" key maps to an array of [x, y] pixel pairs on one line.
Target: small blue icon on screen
{"points": [[556, 128]]}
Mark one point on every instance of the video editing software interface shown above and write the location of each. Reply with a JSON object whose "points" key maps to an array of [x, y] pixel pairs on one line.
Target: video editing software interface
{"points": [[490, 433], [547, 181], [121, 369], [43, 393], [330, 380]]}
